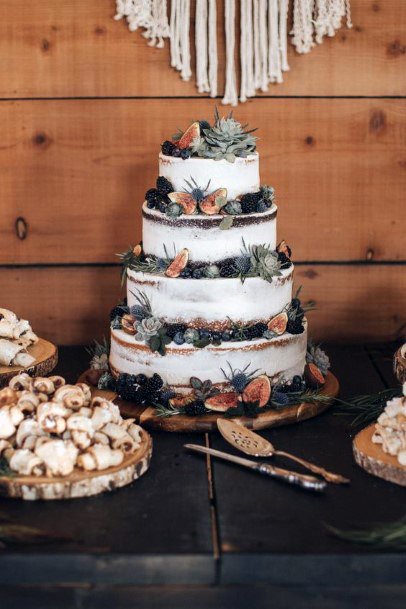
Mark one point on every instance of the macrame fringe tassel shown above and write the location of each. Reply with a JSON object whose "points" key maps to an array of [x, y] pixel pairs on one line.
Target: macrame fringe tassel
{"points": [[314, 19], [263, 37], [230, 92]]}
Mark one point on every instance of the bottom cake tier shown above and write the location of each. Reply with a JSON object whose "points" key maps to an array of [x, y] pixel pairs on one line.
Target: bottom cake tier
{"points": [[281, 357]]}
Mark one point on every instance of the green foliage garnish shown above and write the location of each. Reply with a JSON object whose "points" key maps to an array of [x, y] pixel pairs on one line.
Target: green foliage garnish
{"points": [[5, 469], [366, 408], [385, 536]]}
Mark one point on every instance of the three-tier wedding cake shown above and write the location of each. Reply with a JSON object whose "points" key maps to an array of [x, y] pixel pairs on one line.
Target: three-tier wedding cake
{"points": [[210, 321]]}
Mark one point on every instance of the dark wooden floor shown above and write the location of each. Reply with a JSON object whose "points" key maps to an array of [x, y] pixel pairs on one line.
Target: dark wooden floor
{"points": [[199, 534]]}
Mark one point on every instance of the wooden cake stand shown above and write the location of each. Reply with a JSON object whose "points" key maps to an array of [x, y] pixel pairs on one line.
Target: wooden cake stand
{"points": [[146, 416], [46, 358], [80, 483], [371, 457]]}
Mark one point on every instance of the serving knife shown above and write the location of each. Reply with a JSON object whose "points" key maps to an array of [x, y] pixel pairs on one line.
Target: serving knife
{"points": [[307, 482]]}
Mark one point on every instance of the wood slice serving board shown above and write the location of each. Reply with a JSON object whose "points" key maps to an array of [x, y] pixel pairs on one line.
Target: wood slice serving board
{"points": [[374, 460], [146, 416], [46, 358], [80, 483]]}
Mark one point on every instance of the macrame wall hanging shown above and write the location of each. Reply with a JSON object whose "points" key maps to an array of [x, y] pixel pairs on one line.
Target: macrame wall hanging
{"points": [[261, 41]]}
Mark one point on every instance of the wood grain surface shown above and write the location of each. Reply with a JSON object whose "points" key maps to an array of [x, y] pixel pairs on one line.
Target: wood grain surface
{"points": [[75, 48]]}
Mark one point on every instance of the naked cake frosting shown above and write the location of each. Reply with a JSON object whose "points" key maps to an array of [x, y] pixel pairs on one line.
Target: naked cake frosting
{"points": [[210, 310]]}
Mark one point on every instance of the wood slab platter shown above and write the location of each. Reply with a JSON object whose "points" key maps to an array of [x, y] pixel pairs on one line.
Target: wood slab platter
{"points": [[80, 483], [46, 358], [371, 457], [146, 416]]}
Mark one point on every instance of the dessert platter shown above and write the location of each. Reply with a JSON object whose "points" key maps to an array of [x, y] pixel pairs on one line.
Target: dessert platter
{"points": [[21, 349], [211, 325], [59, 442]]}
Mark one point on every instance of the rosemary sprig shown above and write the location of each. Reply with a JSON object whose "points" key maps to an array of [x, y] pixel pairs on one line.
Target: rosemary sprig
{"points": [[166, 411], [366, 408], [98, 349], [386, 536]]}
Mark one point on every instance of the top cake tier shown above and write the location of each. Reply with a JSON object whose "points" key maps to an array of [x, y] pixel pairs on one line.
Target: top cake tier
{"points": [[238, 178]]}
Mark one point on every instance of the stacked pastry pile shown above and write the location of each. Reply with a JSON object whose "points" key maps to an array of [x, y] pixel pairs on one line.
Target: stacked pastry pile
{"points": [[16, 336], [49, 428]]}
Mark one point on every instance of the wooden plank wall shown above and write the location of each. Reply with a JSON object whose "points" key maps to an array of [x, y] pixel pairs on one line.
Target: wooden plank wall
{"points": [[84, 105]]}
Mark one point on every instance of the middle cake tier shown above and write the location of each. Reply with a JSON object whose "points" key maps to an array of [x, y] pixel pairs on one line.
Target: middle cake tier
{"points": [[203, 236], [211, 303]]}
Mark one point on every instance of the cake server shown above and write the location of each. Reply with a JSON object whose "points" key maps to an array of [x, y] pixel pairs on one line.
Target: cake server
{"points": [[251, 443], [307, 482]]}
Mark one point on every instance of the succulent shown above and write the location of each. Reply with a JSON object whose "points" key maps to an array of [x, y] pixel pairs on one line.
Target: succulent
{"points": [[147, 328], [212, 271], [264, 262], [267, 194], [233, 207], [107, 381], [202, 389], [226, 139], [316, 355]]}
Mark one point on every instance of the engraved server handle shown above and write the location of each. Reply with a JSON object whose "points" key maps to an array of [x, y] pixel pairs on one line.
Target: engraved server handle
{"points": [[307, 482]]}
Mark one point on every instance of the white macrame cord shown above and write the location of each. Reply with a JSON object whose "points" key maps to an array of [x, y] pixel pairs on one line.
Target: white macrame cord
{"points": [[262, 40]]}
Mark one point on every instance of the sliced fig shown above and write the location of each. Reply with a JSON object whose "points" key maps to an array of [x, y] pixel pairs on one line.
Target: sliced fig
{"points": [[278, 323], [284, 248], [221, 402], [209, 204], [313, 376], [137, 251], [178, 264], [190, 134], [127, 323], [185, 200], [181, 401], [258, 390]]}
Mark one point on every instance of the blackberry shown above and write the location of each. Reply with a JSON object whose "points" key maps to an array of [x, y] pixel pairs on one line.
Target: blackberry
{"points": [[294, 326], [204, 125], [194, 409], [227, 269], [118, 311], [154, 383], [185, 154], [250, 333], [258, 329], [177, 152], [162, 205], [126, 387], [173, 329], [168, 148], [141, 379], [216, 337], [156, 199], [164, 186], [284, 260], [249, 202]]}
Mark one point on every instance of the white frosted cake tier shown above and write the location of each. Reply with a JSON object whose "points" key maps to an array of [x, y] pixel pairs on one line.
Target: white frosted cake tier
{"points": [[239, 177], [210, 302], [202, 235], [283, 356]]}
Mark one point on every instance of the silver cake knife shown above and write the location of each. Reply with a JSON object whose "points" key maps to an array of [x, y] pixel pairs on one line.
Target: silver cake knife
{"points": [[307, 482]]}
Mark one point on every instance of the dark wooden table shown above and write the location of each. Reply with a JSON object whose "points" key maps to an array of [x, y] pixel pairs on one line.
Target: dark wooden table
{"points": [[197, 534]]}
